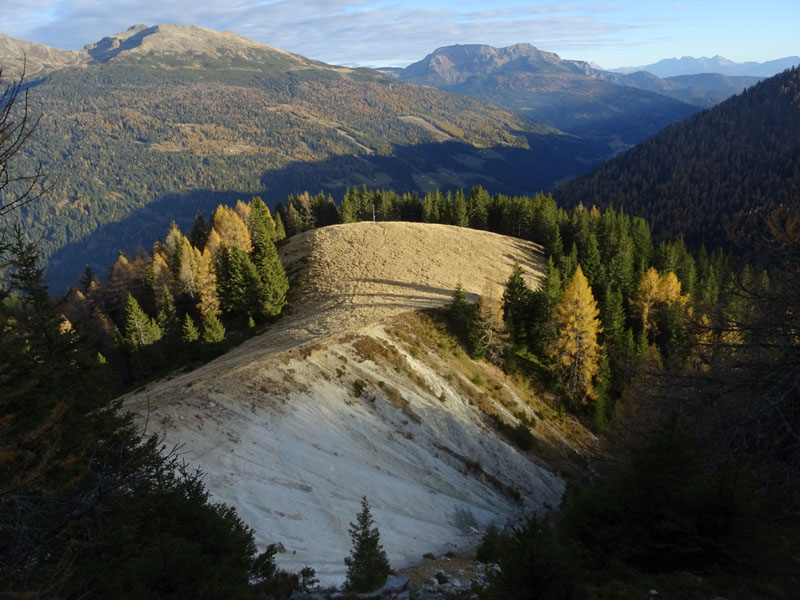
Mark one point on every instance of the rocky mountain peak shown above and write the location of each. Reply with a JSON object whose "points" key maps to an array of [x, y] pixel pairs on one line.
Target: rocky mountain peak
{"points": [[173, 39], [452, 65]]}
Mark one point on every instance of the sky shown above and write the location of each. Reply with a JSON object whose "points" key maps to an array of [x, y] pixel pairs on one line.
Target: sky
{"points": [[391, 33]]}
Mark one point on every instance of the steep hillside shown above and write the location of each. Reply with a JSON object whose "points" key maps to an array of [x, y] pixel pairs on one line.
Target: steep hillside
{"points": [[739, 158], [36, 59], [569, 95], [164, 121], [350, 395]]}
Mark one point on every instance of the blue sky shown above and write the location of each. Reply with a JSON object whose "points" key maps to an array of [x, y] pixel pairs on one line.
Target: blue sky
{"points": [[386, 32]]}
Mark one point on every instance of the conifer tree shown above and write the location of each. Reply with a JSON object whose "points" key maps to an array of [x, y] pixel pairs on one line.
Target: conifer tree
{"points": [[463, 316], [568, 263], [478, 208], [280, 231], [260, 225], [199, 233], [189, 331], [293, 220], [540, 329], [349, 209], [206, 282], [140, 330], [576, 351], [213, 329], [516, 299], [174, 245], [592, 263], [167, 318], [367, 566], [324, 212], [459, 210], [431, 207], [231, 229], [274, 283]]}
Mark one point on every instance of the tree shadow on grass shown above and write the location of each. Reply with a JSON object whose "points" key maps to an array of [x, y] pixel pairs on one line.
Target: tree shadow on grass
{"points": [[421, 168]]}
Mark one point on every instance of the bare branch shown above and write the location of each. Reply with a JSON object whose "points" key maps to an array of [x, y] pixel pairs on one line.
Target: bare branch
{"points": [[16, 127]]}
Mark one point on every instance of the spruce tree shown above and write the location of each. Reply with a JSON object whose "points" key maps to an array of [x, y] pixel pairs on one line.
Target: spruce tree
{"points": [[367, 566], [280, 232], [349, 208], [190, 333], [213, 330], [167, 318], [274, 283], [260, 225], [140, 330], [463, 317], [515, 306], [199, 233], [592, 263]]}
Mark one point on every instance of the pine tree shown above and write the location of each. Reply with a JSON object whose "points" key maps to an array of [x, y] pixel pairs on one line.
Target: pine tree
{"points": [[463, 317], [515, 306], [367, 566], [540, 329], [293, 220], [190, 333], [349, 208], [140, 330], [213, 330], [167, 318], [280, 231], [260, 225], [199, 233], [576, 352], [592, 263], [478, 207], [275, 285], [459, 211]]}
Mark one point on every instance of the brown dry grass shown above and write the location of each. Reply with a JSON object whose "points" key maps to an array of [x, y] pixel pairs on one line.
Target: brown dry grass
{"points": [[345, 277]]}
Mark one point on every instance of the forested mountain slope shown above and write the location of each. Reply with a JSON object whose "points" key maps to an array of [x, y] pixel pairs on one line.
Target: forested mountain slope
{"points": [[160, 122], [740, 158], [567, 94]]}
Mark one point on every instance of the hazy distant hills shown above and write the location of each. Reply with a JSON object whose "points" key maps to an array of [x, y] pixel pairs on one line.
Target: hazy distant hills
{"points": [[155, 123], [688, 65], [740, 158], [703, 90], [569, 95]]}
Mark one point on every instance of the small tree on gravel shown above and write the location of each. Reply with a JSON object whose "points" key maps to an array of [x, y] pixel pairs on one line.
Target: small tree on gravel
{"points": [[367, 566]]}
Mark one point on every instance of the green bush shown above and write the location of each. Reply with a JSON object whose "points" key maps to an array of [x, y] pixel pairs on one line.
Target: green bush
{"points": [[367, 566]]}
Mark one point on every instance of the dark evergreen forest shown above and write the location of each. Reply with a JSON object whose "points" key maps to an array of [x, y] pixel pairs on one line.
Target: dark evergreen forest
{"points": [[713, 178]]}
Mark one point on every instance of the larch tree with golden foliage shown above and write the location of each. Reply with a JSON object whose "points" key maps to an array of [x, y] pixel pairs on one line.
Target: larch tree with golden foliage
{"points": [[575, 351]]}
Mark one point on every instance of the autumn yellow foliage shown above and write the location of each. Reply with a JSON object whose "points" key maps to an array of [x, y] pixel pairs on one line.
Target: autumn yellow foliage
{"points": [[576, 351]]}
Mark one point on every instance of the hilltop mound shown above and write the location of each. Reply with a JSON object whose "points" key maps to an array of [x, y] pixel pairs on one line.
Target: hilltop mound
{"points": [[350, 394]]}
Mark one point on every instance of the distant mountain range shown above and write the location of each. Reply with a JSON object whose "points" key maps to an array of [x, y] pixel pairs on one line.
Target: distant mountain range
{"points": [[721, 171], [567, 94], [155, 123], [688, 65]]}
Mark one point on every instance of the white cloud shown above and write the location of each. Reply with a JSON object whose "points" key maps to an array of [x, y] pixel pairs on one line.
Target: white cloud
{"points": [[339, 31]]}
